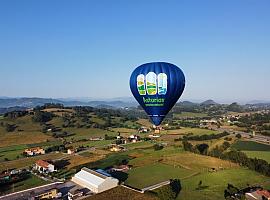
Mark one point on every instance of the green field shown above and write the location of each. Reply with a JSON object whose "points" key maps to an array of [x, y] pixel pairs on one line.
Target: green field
{"points": [[189, 115], [250, 146], [86, 154], [97, 120], [14, 152], [27, 161], [31, 182], [265, 155], [141, 177], [11, 152], [86, 133], [151, 167], [194, 131], [126, 131], [142, 144], [110, 160], [253, 149], [100, 143], [215, 183], [30, 132]]}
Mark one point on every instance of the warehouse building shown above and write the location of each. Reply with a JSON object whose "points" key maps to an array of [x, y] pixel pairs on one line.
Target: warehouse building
{"points": [[96, 181]]}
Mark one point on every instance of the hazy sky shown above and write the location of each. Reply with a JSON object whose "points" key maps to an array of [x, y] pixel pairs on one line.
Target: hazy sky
{"points": [[89, 48]]}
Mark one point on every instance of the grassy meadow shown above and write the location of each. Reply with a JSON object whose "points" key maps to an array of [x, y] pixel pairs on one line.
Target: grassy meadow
{"points": [[31, 182], [253, 149], [184, 115], [250, 146], [194, 131], [265, 155], [214, 183]]}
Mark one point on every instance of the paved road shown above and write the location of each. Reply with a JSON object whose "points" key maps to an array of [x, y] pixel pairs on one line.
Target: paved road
{"points": [[257, 138], [26, 194]]}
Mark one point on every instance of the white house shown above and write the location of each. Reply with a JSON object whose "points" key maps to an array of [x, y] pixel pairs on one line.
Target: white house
{"points": [[95, 181], [44, 166], [70, 151], [133, 138]]}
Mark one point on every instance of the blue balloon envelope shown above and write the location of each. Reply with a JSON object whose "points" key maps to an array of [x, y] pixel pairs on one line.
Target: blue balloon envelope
{"points": [[157, 86]]}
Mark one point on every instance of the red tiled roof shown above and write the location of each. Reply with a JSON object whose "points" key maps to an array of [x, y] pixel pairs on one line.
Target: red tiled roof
{"points": [[264, 193], [34, 149], [123, 167], [42, 163]]}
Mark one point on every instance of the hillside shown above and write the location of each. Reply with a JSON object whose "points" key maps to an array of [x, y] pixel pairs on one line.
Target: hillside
{"points": [[209, 102], [185, 149]]}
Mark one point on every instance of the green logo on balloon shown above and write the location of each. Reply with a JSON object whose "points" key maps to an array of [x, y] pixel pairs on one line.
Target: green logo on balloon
{"points": [[154, 84]]}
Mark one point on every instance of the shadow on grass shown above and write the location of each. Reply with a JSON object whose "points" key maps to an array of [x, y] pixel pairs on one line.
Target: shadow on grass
{"points": [[121, 176], [203, 187], [61, 164]]}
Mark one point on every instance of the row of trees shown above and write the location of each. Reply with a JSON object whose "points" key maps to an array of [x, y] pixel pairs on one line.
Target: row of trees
{"points": [[185, 123], [42, 117], [199, 148], [84, 114], [241, 158], [49, 105], [203, 148], [15, 114], [212, 108]]}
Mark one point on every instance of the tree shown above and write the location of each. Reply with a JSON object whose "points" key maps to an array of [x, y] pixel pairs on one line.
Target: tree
{"points": [[234, 107], [176, 186], [225, 145], [42, 117], [203, 148], [107, 137], [158, 147], [171, 191], [187, 146], [10, 127], [231, 192], [165, 193], [200, 183], [238, 135]]}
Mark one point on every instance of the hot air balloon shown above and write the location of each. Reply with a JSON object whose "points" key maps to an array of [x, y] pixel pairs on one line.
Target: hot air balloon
{"points": [[157, 86]]}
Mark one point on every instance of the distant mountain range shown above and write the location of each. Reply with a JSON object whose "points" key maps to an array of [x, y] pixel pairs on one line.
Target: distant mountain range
{"points": [[121, 102], [33, 102]]}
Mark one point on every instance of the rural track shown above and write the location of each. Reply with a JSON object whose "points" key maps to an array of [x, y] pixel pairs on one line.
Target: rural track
{"points": [[191, 175]]}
